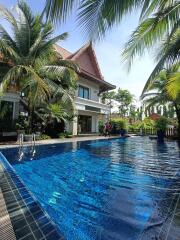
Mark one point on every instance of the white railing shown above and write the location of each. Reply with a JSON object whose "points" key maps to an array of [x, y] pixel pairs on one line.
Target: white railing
{"points": [[82, 102]]}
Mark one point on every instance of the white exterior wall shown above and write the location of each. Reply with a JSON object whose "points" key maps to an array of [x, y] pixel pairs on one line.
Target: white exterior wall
{"points": [[93, 101], [93, 89]]}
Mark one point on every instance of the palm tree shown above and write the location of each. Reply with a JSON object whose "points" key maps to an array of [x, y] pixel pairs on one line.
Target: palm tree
{"points": [[98, 17], [154, 30], [29, 62], [159, 22], [157, 93]]}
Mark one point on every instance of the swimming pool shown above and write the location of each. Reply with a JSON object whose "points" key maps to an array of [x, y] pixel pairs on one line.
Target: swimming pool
{"points": [[106, 189]]}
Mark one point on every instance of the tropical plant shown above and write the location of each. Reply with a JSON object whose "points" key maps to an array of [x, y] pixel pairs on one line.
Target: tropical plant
{"points": [[146, 123], [159, 22], [161, 124], [162, 28], [30, 63], [125, 99], [119, 123], [157, 93], [43, 137], [56, 112], [108, 96], [98, 17], [101, 127]]}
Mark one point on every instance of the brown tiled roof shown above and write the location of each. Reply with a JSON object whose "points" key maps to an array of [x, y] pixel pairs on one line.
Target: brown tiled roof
{"points": [[154, 116], [64, 53], [85, 57]]}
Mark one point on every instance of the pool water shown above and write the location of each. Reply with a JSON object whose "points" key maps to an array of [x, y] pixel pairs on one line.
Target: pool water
{"points": [[106, 189]]}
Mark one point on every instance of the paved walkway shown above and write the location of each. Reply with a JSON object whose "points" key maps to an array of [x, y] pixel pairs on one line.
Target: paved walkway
{"points": [[58, 140]]}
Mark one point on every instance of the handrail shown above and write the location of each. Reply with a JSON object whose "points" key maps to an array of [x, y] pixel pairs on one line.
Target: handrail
{"points": [[21, 140], [33, 145]]}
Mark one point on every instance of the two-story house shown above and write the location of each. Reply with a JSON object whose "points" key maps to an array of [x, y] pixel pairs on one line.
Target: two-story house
{"points": [[89, 108]]}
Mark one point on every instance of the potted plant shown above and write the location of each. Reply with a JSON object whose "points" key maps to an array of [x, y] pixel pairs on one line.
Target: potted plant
{"points": [[161, 126]]}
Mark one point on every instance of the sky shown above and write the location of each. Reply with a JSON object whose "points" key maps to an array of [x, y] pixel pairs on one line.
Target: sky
{"points": [[108, 51]]}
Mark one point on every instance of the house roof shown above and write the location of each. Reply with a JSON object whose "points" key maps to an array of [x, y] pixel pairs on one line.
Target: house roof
{"points": [[62, 51], [85, 57], [154, 116], [87, 60]]}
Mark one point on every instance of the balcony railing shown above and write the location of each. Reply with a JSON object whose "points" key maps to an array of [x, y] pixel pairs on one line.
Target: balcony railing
{"points": [[87, 102]]}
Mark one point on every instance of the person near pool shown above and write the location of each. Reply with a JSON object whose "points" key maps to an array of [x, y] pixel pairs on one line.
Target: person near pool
{"points": [[107, 129]]}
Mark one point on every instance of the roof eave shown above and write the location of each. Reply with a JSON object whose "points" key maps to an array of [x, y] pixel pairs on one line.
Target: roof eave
{"points": [[104, 86]]}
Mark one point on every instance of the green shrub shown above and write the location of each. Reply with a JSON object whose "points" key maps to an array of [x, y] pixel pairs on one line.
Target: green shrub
{"points": [[161, 123], [101, 126], [68, 135], [61, 135], [147, 123], [119, 123], [43, 137]]}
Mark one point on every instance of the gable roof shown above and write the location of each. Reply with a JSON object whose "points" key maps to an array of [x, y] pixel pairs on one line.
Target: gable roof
{"points": [[62, 51], [87, 60], [85, 57]]}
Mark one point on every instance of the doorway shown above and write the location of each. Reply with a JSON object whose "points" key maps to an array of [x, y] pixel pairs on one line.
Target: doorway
{"points": [[84, 124]]}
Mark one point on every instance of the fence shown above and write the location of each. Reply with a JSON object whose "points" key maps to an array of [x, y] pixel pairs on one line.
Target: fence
{"points": [[152, 131]]}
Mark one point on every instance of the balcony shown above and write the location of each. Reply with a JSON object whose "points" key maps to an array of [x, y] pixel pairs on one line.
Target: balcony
{"points": [[90, 105]]}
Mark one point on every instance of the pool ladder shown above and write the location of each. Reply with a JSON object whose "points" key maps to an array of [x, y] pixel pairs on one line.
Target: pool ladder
{"points": [[21, 146], [33, 145]]}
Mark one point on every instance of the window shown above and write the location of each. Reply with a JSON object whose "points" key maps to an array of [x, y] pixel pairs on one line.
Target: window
{"points": [[83, 92]]}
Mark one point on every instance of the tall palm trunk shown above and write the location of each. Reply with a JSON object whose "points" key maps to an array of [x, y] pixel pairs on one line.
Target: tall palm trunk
{"points": [[177, 109]]}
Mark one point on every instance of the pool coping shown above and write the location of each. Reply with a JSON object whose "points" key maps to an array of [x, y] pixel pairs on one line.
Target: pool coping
{"points": [[27, 220], [59, 141]]}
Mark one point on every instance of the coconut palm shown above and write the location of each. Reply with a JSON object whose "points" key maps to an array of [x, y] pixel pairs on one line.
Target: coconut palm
{"points": [[159, 22], [29, 62], [162, 27], [158, 92], [97, 17]]}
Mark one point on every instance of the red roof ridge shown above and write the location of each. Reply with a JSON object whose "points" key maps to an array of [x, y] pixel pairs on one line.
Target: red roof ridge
{"points": [[87, 46], [74, 57]]}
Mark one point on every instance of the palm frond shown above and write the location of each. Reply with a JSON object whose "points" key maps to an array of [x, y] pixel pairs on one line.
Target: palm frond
{"points": [[59, 9], [173, 84], [151, 31]]}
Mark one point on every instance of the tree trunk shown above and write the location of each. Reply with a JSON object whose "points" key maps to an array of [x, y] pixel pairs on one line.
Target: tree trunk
{"points": [[178, 130], [177, 109], [30, 116]]}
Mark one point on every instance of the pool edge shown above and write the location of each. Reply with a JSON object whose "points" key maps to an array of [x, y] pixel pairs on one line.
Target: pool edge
{"points": [[25, 207]]}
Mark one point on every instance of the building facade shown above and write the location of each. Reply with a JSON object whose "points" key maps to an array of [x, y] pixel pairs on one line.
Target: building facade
{"points": [[88, 106]]}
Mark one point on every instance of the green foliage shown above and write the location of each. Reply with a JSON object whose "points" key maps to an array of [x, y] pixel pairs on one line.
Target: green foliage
{"points": [[43, 137], [65, 135], [161, 123], [22, 123], [98, 17], [31, 64], [61, 135], [119, 123], [108, 96], [157, 93], [125, 99], [147, 123], [68, 135], [101, 127]]}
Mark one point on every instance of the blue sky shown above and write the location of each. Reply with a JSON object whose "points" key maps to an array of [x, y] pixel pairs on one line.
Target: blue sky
{"points": [[108, 51]]}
